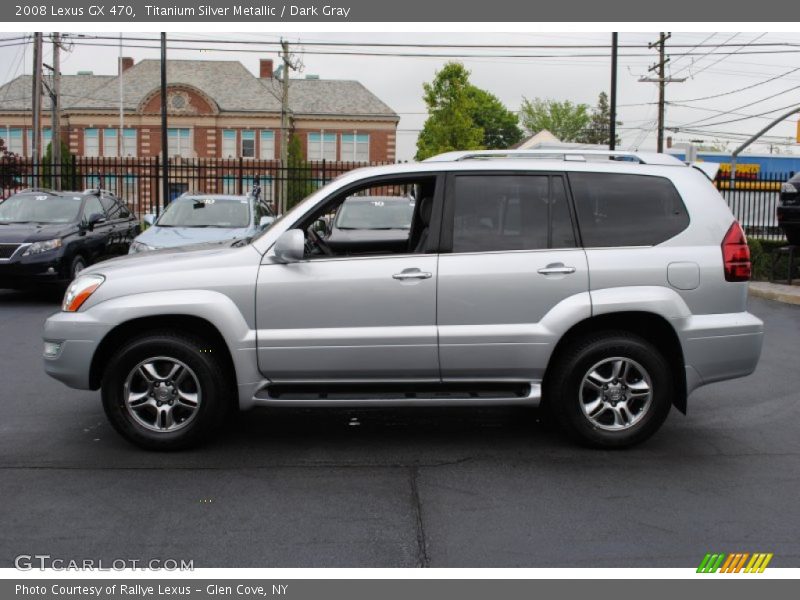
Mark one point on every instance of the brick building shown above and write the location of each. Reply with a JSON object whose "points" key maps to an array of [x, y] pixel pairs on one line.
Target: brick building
{"points": [[216, 110]]}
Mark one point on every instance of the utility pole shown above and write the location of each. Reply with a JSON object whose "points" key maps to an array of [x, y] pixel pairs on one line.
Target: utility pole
{"points": [[289, 63], [284, 125], [36, 99], [164, 142], [612, 127], [55, 121], [662, 80]]}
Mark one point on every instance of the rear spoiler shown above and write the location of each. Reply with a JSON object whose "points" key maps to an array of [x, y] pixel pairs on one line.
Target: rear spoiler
{"points": [[709, 169]]}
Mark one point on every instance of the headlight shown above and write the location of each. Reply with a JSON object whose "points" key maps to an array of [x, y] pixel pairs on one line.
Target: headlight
{"points": [[80, 290], [45, 246], [139, 247], [788, 188]]}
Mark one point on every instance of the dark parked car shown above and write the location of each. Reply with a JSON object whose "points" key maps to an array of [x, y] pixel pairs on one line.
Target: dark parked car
{"points": [[50, 237], [369, 224], [789, 210]]}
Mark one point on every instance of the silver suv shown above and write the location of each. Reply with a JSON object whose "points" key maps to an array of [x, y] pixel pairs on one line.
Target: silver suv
{"points": [[605, 286]]}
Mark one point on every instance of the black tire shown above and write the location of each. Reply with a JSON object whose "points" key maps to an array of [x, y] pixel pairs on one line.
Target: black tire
{"points": [[564, 396], [77, 265], [208, 378]]}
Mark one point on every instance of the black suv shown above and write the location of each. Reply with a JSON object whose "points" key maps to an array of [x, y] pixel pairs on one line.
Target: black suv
{"points": [[789, 210], [49, 237]]}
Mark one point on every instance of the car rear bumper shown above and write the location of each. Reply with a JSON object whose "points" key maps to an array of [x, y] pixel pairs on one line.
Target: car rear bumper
{"points": [[720, 346]]}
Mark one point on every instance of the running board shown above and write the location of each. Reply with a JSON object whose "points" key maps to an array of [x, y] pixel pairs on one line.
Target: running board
{"points": [[360, 395]]}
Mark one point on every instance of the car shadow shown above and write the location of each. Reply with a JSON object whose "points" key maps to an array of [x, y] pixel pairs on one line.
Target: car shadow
{"points": [[32, 297]]}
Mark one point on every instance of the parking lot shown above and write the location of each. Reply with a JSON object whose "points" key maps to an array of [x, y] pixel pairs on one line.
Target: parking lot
{"points": [[399, 488]]}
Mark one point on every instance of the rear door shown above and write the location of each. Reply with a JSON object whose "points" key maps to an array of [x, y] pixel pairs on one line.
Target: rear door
{"points": [[511, 260]]}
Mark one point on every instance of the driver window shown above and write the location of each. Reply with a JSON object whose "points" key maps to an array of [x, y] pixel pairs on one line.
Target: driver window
{"points": [[380, 219], [91, 207]]}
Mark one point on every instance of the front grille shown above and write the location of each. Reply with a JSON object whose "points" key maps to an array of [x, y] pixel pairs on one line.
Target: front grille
{"points": [[7, 250]]}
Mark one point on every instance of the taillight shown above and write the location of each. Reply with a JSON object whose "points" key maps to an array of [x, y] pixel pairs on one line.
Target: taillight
{"points": [[736, 254]]}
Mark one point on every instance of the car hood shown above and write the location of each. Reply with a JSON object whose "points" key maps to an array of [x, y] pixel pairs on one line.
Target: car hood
{"points": [[164, 259], [170, 237], [13, 233]]}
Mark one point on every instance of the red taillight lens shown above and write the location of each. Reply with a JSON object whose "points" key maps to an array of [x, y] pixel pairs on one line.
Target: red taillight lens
{"points": [[736, 254]]}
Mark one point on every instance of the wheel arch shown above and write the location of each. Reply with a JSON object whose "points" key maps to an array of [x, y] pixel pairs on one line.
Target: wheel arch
{"points": [[650, 326], [137, 327]]}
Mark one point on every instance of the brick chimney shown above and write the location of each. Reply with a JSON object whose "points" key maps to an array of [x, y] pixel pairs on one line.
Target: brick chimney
{"points": [[265, 68], [126, 62]]}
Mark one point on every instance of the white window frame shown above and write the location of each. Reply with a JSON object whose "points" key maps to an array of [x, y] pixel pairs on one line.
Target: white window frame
{"points": [[182, 152], [248, 132], [349, 149], [15, 144], [114, 150], [267, 135], [95, 149], [228, 149], [129, 142], [318, 147]]}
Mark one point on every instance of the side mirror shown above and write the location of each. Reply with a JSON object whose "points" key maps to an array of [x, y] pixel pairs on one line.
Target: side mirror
{"points": [[150, 219], [95, 219], [290, 246], [265, 221]]}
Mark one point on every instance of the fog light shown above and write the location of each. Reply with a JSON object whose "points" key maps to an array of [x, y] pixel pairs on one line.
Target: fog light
{"points": [[52, 349]]}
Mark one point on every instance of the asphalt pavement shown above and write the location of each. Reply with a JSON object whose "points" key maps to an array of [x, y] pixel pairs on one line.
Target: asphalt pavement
{"points": [[400, 488]]}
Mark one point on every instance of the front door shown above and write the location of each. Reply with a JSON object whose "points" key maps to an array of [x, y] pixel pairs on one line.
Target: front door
{"points": [[348, 319], [513, 274]]}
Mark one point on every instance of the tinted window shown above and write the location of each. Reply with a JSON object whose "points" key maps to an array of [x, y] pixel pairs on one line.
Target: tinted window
{"points": [[113, 209], [510, 212], [626, 210], [91, 207]]}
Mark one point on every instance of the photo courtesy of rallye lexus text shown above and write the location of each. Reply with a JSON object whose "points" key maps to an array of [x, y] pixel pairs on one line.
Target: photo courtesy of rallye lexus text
{"points": [[47, 238], [605, 286]]}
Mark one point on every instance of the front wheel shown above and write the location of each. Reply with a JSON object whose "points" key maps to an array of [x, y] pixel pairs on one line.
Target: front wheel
{"points": [[612, 390], [165, 391]]}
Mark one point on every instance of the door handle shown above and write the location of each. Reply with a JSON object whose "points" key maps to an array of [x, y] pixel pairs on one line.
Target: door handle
{"points": [[556, 269], [412, 274]]}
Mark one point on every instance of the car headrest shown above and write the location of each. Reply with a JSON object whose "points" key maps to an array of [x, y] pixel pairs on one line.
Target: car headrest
{"points": [[425, 210]]}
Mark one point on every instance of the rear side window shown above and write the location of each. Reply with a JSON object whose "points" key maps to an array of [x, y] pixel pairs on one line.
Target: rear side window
{"points": [[510, 212], [627, 210]]}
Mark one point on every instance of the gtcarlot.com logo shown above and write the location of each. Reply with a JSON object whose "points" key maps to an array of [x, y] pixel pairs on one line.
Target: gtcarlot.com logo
{"points": [[740, 562], [42, 562]]}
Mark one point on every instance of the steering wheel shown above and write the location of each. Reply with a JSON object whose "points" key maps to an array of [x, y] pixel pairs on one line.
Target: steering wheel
{"points": [[313, 240]]}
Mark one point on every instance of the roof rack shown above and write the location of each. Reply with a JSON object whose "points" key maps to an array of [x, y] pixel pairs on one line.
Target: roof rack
{"points": [[567, 154]]}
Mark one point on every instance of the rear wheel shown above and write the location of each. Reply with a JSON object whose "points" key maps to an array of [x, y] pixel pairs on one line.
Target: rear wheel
{"points": [[612, 390], [165, 391]]}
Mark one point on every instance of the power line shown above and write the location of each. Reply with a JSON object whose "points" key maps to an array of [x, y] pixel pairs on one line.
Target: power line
{"points": [[749, 104], [768, 112], [748, 87]]}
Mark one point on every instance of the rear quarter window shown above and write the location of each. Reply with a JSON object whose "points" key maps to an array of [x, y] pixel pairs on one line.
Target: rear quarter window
{"points": [[617, 209]]}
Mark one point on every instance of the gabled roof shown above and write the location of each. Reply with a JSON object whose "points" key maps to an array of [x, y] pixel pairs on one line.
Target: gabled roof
{"points": [[228, 83]]}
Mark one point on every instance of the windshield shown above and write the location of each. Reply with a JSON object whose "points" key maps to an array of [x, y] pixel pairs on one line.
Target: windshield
{"points": [[206, 211], [40, 208], [377, 213]]}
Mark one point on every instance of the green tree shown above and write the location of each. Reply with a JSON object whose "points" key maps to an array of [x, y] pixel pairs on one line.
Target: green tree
{"points": [[500, 126], [599, 128], [451, 104], [299, 184], [69, 174], [565, 120]]}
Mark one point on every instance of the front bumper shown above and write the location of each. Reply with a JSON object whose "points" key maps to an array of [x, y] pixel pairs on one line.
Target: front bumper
{"points": [[720, 346], [79, 335], [32, 271]]}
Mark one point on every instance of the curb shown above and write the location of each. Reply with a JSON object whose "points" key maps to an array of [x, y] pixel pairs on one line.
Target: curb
{"points": [[778, 296]]}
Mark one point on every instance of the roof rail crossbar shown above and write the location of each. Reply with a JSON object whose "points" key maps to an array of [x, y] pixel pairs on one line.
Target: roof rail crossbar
{"points": [[644, 158]]}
